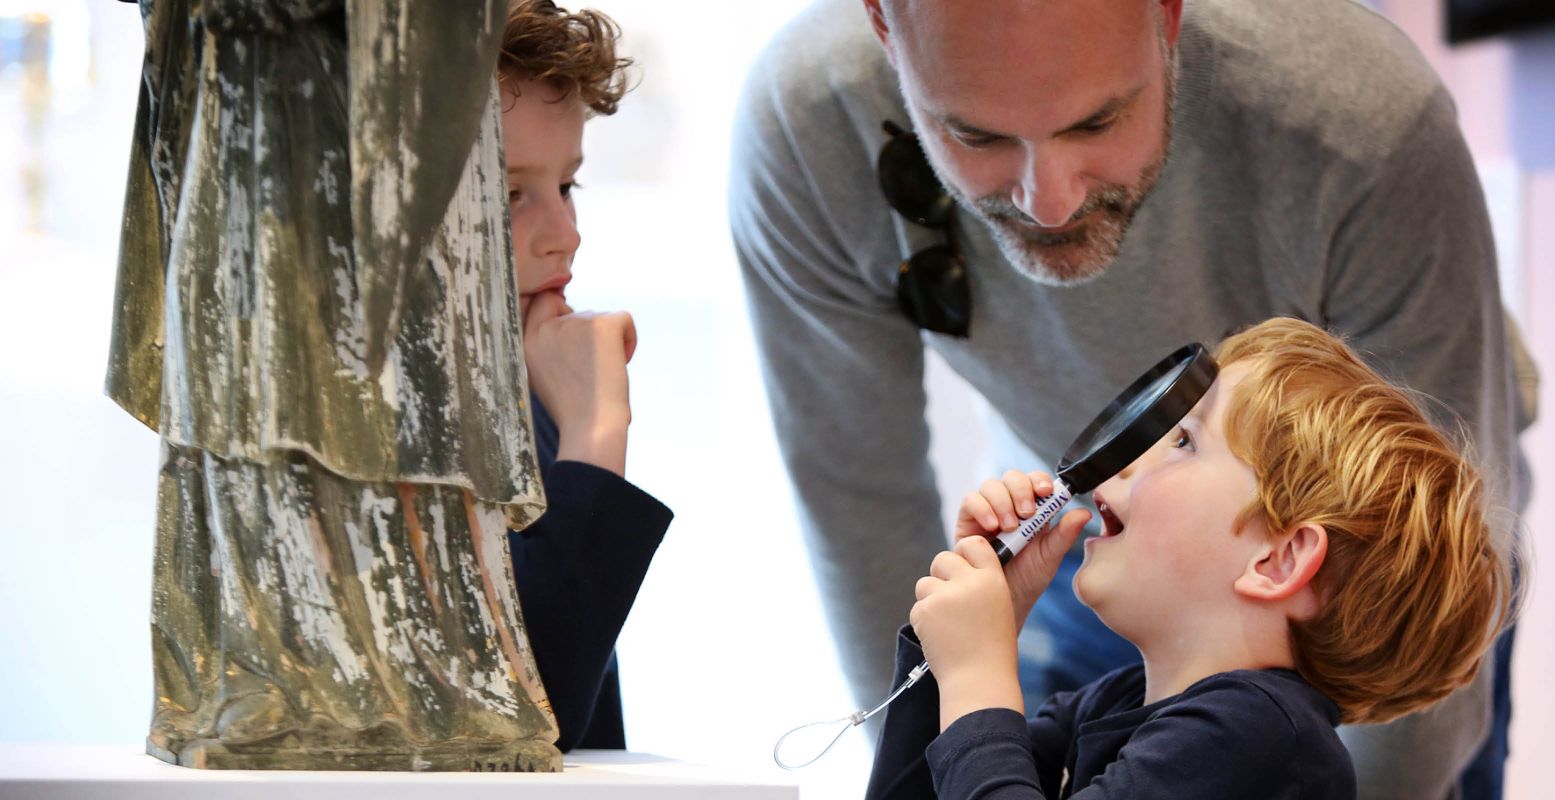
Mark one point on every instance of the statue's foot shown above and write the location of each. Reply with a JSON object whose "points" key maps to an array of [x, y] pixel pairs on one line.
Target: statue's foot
{"points": [[254, 717]]}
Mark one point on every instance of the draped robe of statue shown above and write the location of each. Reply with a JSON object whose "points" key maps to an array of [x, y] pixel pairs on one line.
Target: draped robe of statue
{"points": [[317, 313]]}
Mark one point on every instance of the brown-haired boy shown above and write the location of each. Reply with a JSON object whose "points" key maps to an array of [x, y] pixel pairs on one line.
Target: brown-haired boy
{"points": [[579, 566], [1304, 549]]}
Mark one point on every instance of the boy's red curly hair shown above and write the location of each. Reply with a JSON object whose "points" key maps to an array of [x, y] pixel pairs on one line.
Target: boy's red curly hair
{"points": [[1413, 590]]}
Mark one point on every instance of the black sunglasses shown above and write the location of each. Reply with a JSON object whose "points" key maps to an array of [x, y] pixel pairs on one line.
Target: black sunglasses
{"points": [[931, 286]]}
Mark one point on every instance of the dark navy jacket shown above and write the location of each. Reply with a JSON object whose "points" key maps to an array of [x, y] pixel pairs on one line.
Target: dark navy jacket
{"points": [[578, 569], [1242, 734]]}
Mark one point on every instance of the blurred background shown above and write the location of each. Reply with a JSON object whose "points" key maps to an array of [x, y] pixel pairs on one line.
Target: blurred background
{"points": [[727, 647]]}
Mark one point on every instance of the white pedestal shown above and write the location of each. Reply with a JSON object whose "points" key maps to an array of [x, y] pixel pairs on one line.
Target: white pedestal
{"points": [[123, 772]]}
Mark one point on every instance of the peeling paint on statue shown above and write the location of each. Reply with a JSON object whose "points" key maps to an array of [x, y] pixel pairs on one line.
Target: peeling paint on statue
{"points": [[316, 311]]}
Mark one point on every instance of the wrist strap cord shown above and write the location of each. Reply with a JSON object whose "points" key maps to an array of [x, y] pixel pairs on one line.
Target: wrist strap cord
{"points": [[822, 728]]}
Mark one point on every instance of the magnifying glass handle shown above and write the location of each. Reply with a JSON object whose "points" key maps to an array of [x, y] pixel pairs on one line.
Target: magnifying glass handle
{"points": [[1008, 544]]}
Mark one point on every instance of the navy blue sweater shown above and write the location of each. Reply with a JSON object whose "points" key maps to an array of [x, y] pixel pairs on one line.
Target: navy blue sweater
{"points": [[578, 569], [1241, 734]]}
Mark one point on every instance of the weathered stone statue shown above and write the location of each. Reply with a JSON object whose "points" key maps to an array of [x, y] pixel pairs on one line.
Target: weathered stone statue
{"points": [[317, 313]]}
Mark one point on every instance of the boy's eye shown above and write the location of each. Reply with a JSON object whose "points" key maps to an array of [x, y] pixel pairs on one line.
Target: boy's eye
{"points": [[514, 195], [1182, 440], [568, 187]]}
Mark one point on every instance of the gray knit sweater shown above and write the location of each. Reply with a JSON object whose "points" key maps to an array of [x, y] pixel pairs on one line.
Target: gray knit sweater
{"points": [[1316, 170]]}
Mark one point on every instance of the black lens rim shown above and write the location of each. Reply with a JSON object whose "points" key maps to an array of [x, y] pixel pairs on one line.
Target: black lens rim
{"points": [[909, 183], [1086, 465], [932, 286]]}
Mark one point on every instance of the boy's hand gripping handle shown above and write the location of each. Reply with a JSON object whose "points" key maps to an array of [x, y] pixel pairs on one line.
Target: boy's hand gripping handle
{"points": [[1008, 544]]}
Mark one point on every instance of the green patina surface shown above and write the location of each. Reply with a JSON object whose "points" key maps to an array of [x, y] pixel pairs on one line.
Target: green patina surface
{"points": [[316, 311]]}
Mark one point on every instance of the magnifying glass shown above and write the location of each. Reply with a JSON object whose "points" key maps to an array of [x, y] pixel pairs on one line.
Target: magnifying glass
{"points": [[1134, 421]]}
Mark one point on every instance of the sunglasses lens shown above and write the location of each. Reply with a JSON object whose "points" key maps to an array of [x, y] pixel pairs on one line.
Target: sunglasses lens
{"points": [[909, 184], [933, 291]]}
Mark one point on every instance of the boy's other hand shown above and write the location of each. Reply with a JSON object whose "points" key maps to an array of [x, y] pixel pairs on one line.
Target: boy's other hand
{"points": [[999, 506], [963, 620], [577, 367]]}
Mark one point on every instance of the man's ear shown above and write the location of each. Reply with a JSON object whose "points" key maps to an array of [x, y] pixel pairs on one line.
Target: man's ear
{"points": [[1284, 565], [1171, 18], [877, 23]]}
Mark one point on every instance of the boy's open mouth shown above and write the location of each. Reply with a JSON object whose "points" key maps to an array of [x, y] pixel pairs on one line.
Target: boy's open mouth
{"points": [[1110, 524]]}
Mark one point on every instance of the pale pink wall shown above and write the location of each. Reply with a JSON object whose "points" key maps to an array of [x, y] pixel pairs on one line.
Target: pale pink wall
{"points": [[1531, 771], [1478, 74], [1506, 105]]}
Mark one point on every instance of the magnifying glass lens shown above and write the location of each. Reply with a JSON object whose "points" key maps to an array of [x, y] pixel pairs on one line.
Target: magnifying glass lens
{"points": [[1133, 410], [1137, 418]]}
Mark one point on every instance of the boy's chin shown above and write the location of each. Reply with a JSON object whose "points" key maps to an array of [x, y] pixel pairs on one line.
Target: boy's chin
{"points": [[1089, 586], [1097, 596], [1098, 589]]}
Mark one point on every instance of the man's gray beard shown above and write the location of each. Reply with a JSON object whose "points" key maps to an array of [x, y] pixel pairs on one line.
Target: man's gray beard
{"points": [[1080, 255], [1072, 257]]}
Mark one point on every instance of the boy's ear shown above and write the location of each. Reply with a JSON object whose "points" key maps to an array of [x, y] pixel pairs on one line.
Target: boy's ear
{"points": [[1284, 565]]}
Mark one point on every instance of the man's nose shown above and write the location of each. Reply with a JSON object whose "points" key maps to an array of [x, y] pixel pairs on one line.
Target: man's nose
{"points": [[1050, 189]]}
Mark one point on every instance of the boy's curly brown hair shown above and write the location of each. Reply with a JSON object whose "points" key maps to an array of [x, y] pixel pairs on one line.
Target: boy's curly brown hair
{"points": [[576, 52]]}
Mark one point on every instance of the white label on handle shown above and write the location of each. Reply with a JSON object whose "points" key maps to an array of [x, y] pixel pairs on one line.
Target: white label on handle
{"points": [[1016, 540]]}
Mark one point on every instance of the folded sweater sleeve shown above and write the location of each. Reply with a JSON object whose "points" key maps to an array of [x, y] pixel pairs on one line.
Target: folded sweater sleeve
{"points": [[578, 569], [911, 722]]}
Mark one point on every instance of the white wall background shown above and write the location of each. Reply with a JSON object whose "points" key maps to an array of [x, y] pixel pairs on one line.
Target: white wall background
{"points": [[727, 646]]}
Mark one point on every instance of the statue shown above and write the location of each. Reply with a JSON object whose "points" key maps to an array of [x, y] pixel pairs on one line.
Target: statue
{"points": [[317, 312]]}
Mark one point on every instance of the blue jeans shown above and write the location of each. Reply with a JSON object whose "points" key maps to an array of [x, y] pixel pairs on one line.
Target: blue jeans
{"points": [[1484, 776], [1064, 646]]}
